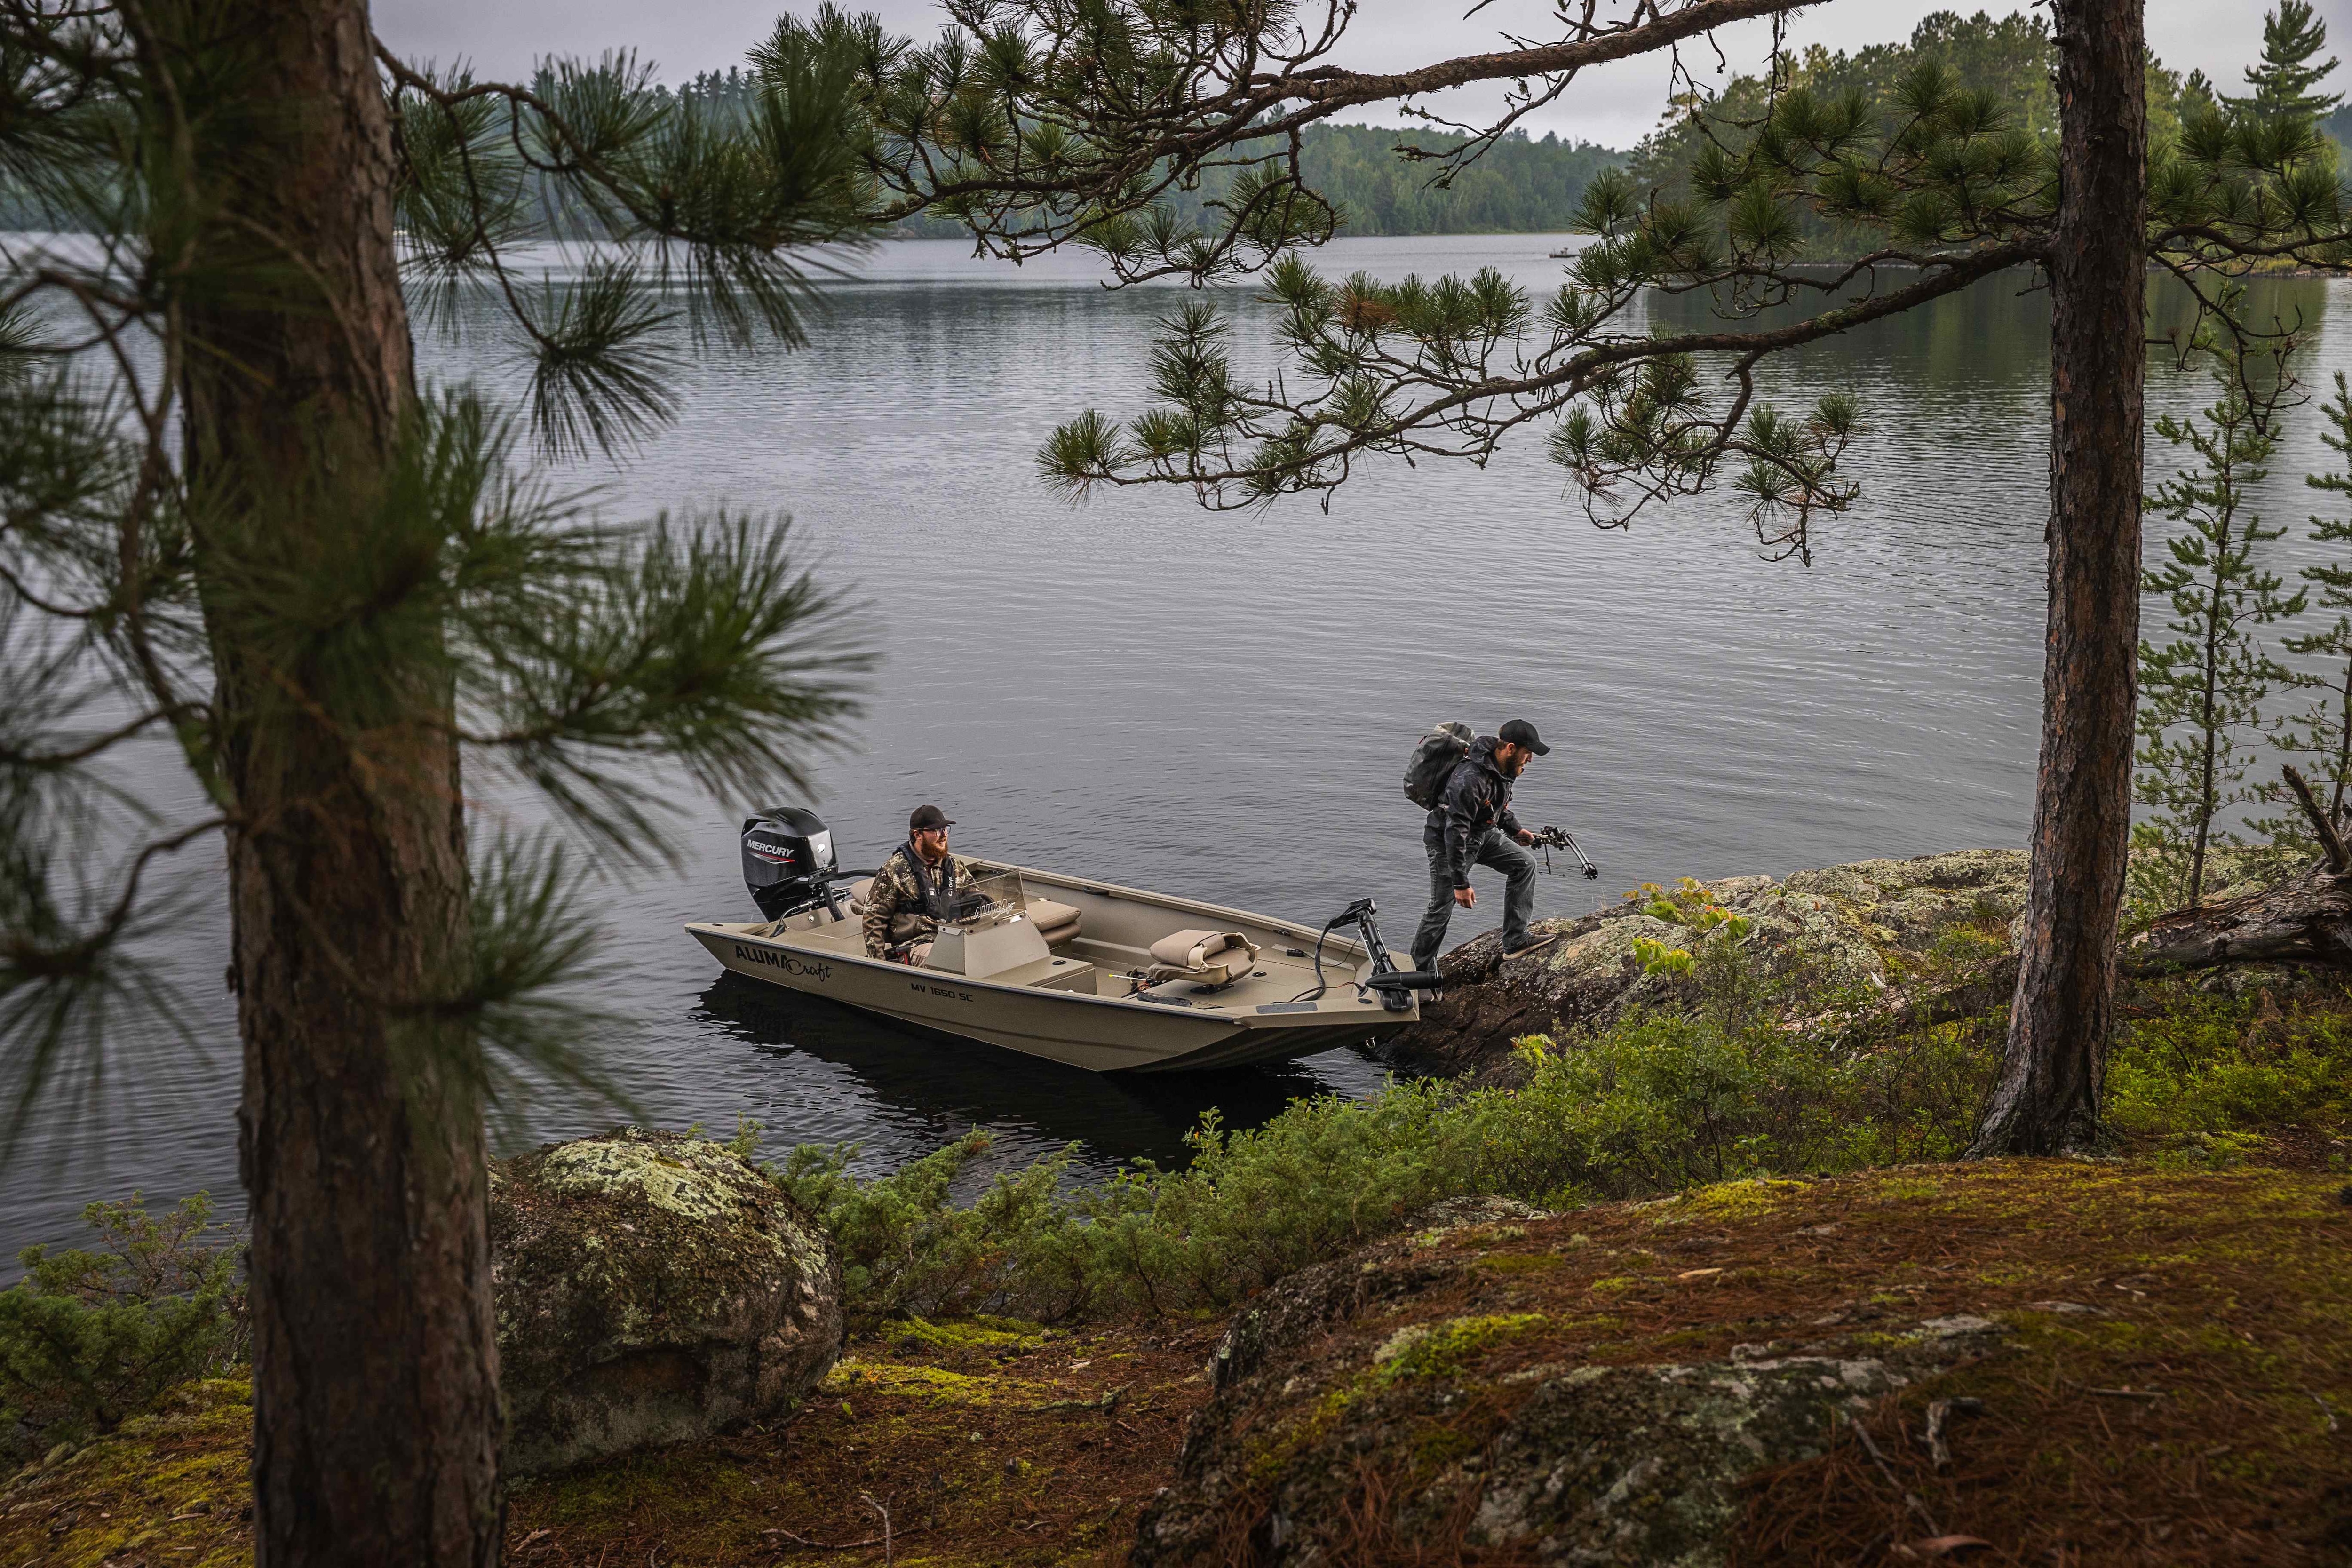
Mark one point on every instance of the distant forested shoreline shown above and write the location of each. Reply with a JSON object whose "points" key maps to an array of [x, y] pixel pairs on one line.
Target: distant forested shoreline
{"points": [[1521, 184], [1526, 184]]}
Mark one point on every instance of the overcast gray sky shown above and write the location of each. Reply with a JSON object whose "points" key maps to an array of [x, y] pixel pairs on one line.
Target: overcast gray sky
{"points": [[1616, 105]]}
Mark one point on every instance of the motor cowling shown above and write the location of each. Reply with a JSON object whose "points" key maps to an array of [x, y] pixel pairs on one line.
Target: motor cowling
{"points": [[787, 860]]}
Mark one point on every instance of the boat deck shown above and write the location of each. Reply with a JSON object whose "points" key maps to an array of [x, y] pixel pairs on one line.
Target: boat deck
{"points": [[1284, 975]]}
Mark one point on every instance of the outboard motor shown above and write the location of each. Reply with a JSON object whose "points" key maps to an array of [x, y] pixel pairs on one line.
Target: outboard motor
{"points": [[788, 862]]}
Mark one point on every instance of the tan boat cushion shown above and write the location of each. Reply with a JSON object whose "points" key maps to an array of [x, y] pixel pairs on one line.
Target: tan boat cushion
{"points": [[1054, 922], [1210, 957], [859, 892]]}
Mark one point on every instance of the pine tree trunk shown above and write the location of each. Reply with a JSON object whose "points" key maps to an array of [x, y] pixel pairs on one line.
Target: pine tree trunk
{"points": [[376, 1409], [2048, 1096]]}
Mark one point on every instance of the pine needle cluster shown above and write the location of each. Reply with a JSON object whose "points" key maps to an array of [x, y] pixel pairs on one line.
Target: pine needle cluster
{"points": [[168, 589], [1925, 182]]}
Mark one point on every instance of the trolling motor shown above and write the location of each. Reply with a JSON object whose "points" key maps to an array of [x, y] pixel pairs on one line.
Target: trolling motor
{"points": [[1550, 838], [1387, 981], [788, 863]]}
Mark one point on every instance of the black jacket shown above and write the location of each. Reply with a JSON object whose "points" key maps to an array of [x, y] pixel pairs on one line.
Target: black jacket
{"points": [[1476, 799]]}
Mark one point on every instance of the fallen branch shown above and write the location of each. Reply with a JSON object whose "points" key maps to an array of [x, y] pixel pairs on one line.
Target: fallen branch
{"points": [[1103, 1405], [2306, 921], [804, 1543]]}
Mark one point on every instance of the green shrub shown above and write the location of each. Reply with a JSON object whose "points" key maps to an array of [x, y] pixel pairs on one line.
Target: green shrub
{"points": [[1663, 1101], [89, 1337], [1749, 1072], [2191, 1062]]}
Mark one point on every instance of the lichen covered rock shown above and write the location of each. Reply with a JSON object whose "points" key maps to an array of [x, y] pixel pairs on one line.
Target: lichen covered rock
{"points": [[1863, 925], [1490, 1387], [1999, 1349], [651, 1288]]}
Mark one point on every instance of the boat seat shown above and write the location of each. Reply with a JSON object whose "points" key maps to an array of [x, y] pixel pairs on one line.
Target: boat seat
{"points": [[1055, 922], [1212, 958]]}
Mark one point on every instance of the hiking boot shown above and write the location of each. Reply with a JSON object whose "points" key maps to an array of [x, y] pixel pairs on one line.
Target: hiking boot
{"points": [[1532, 944]]}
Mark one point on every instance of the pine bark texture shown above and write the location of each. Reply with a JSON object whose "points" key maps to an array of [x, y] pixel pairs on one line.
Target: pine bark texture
{"points": [[377, 1407], [2048, 1096]]}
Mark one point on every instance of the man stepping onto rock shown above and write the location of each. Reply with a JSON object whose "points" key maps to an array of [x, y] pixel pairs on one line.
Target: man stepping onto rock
{"points": [[1472, 824]]}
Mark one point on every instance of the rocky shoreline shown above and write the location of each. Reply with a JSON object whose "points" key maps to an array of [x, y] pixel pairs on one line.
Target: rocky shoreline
{"points": [[1873, 924], [2139, 1360]]}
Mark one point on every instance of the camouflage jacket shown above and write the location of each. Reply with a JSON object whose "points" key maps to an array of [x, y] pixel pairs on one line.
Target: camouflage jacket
{"points": [[894, 908]]}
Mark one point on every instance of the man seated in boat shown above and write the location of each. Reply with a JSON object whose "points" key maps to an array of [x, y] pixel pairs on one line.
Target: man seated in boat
{"points": [[918, 887]]}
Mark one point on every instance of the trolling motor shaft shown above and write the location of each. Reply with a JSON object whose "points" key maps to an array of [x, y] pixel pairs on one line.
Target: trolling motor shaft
{"points": [[1387, 981]]}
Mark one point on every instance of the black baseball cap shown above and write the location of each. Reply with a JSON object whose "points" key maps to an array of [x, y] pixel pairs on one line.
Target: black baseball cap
{"points": [[927, 817], [1519, 732]]}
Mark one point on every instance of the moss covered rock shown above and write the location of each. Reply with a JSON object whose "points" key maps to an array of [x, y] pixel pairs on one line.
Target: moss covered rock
{"points": [[1864, 925], [651, 1288], [2034, 1354]]}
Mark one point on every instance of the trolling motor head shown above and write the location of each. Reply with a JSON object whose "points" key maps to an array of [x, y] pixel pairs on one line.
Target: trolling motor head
{"points": [[1549, 838], [788, 860]]}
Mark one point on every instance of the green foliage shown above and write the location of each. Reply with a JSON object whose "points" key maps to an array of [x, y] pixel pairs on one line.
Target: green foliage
{"points": [[1743, 1075], [2323, 730], [714, 189], [2193, 1063], [1926, 167], [908, 1250], [1973, 95], [92, 1337], [2293, 37], [1663, 1099], [1688, 904], [2202, 693], [575, 651]]}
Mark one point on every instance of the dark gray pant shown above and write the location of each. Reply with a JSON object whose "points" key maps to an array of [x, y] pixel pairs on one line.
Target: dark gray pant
{"points": [[1518, 869]]}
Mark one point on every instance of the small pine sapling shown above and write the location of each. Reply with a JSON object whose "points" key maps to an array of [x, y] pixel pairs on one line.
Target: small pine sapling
{"points": [[2323, 732], [2201, 693], [91, 1337], [2293, 37]]}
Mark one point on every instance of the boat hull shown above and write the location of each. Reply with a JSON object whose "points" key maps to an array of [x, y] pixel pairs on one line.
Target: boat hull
{"points": [[1160, 1032]]}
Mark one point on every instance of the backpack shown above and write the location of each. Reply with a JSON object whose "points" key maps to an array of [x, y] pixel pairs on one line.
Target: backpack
{"points": [[1433, 762]]}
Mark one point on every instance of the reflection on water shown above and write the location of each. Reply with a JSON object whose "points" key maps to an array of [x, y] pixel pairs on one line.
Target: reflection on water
{"points": [[1221, 705], [951, 1084]]}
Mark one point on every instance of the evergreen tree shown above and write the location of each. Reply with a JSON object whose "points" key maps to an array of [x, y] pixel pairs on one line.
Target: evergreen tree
{"points": [[1039, 123], [233, 523], [2324, 729], [2293, 37], [2201, 693]]}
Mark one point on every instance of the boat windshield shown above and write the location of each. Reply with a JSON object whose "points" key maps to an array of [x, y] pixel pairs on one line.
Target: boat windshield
{"points": [[996, 893]]}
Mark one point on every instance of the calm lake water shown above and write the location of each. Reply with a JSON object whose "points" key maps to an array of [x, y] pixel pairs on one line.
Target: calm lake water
{"points": [[1221, 704]]}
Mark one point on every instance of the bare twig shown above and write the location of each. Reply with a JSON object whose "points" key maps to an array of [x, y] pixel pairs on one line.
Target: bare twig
{"points": [[1910, 1498], [1940, 1411]]}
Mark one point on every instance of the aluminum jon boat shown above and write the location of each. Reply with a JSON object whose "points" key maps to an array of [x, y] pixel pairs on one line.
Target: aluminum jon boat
{"points": [[1081, 971]]}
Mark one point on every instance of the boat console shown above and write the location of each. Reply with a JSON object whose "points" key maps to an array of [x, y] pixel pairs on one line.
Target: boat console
{"points": [[998, 939]]}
